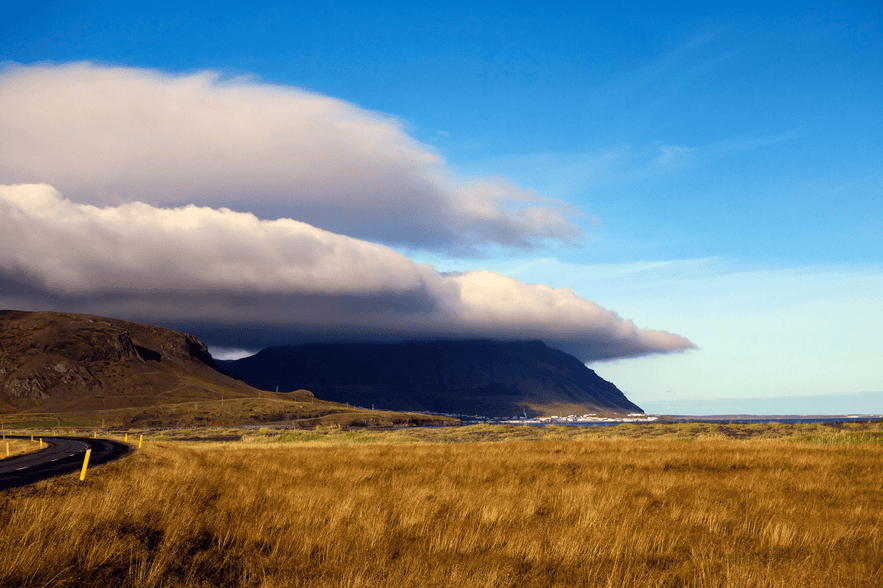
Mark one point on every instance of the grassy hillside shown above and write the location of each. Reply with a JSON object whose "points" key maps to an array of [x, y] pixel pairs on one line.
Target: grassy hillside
{"points": [[297, 409]]}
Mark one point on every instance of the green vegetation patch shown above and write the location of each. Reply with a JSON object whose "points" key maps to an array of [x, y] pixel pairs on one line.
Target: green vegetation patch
{"points": [[841, 438], [819, 433], [296, 437], [336, 436]]}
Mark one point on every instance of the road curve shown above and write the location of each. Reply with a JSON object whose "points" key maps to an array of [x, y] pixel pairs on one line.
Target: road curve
{"points": [[64, 455]]}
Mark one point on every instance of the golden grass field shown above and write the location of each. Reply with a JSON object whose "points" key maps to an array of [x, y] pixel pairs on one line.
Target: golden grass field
{"points": [[630, 506]]}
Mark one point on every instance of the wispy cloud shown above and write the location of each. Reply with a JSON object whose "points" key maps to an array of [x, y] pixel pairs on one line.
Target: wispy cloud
{"points": [[281, 278], [558, 173], [673, 157], [751, 142], [677, 65]]}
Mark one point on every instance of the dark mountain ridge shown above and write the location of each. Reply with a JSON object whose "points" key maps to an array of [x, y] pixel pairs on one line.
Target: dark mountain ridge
{"points": [[468, 377]]}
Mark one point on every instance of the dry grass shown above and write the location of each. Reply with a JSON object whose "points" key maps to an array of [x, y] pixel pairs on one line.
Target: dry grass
{"points": [[600, 512], [850, 433], [13, 447]]}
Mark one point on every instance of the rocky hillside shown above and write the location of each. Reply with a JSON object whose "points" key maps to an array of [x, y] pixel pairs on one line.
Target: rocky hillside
{"points": [[54, 360], [488, 378]]}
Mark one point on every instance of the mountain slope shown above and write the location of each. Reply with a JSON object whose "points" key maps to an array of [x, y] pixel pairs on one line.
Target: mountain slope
{"points": [[52, 360], [488, 378]]}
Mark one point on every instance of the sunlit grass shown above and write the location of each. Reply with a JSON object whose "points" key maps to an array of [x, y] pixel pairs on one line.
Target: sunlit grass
{"points": [[11, 447], [848, 433], [345, 508], [817, 433]]}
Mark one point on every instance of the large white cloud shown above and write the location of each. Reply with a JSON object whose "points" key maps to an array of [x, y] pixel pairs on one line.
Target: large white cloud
{"points": [[235, 273], [112, 135]]}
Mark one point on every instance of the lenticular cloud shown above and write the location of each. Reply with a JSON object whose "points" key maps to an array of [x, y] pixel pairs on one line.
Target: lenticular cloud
{"points": [[113, 135], [214, 266]]}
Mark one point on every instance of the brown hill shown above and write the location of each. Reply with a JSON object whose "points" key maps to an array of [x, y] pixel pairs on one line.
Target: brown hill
{"points": [[83, 362], [488, 378], [86, 366]]}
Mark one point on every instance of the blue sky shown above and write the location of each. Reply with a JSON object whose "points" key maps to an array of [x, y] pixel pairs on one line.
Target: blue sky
{"points": [[725, 166]]}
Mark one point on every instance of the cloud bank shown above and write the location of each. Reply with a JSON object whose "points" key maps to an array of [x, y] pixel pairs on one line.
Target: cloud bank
{"points": [[111, 135], [236, 275]]}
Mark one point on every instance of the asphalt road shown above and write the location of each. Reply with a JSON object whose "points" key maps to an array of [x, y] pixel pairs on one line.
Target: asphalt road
{"points": [[63, 456]]}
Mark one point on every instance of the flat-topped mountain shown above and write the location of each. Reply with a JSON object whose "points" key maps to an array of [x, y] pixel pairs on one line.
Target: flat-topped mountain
{"points": [[85, 362], [489, 378]]}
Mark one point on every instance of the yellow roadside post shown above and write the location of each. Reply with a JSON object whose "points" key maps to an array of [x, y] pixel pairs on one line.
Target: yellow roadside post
{"points": [[140, 439], [126, 438], [85, 464], [41, 442]]}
